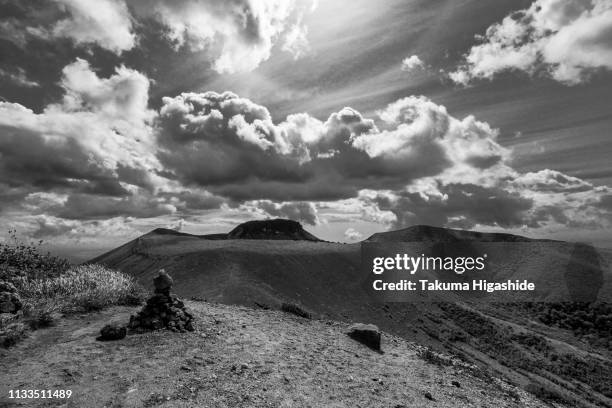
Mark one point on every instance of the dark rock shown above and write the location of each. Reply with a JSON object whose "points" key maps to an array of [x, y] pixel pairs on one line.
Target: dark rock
{"points": [[271, 229], [367, 334], [456, 384], [112, 332], [429, 396], [163, 282]]}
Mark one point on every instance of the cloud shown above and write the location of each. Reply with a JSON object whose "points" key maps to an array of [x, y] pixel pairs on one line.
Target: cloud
{"points": [[84, 143], [458, 205], [100, 153], [352, 234], [68, 232], [297, 211], [568, 39], [230, 146], [238, 34], [412, 63], [85, 207], [106, 23], [19, 78], [540, 199]]}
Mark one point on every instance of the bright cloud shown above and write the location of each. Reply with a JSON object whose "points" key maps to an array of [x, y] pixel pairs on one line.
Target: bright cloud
{"points": [[568, 39], [106, 23], [412, 63], [238, 34]]}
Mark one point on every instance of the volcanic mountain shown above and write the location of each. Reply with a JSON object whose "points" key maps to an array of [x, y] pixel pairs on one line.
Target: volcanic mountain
{"points": [[267, 263], [273, 261]]}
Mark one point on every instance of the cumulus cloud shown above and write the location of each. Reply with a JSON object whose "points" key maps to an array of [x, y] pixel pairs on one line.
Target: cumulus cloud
{"points": [[412, 63], [84, 143], [568, 39], [459, 205], [352, 234], [106, 23], [535, 200], [238, 34], [230, 146], [298, 211], [94, 150], [100, 153]]}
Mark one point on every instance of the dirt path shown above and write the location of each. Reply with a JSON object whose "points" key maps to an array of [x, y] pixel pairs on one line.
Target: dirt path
{"points": [[238, 357]]}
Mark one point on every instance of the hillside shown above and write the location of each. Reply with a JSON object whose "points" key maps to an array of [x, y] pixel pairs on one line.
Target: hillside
{"points": [[240, 357], [426, 233], [572, 363]]}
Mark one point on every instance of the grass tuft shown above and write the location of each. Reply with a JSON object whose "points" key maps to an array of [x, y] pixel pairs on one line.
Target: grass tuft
{"points": [[80, 289]]}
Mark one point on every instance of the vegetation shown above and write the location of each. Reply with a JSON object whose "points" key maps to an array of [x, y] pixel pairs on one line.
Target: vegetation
{"points": [[532, 352], [432, 357], [49, 285], [20, 259], [296, 310], [591, 322], [81, 288]]}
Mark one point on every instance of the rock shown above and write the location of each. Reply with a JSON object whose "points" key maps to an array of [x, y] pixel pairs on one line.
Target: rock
{"points": [[367, 334], [9, 299], [456, 384], [162, 310], [163, 282], [429, 396], [112, 332]]}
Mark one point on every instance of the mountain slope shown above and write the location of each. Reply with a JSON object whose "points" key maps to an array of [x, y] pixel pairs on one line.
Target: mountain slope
{"points": [[426, 233], [327, 279], [240, 357]]}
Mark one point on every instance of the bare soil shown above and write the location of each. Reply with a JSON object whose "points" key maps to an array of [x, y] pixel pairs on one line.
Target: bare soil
{"points": [[239, 357]]}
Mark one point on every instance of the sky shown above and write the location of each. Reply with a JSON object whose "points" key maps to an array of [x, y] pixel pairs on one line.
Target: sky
{"points": [[352, 117]]}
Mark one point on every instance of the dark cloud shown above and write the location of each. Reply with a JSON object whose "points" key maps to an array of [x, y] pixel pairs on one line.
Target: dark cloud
{"points": [[464, 205], [188, 201], [605, 202], [298, 211], [231, 146], [86, 207]]}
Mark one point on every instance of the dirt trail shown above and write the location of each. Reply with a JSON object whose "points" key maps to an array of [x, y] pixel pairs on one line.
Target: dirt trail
{"points": [[238, 357]]}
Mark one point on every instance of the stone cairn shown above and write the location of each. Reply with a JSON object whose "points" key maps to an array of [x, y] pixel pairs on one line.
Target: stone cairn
{"points": [[162, 311]]}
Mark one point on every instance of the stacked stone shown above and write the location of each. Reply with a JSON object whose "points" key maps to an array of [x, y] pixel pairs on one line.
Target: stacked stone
{"points": [[162, 311]]}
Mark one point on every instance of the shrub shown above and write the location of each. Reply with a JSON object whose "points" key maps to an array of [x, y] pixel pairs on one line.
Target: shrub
{"points": [[546, 394], [11, 333], [19, 259], [81, 288], [296, 310], [432, 357]]}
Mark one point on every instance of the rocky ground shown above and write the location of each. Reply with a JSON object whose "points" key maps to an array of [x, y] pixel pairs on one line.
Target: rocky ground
{"points": [[239, 357]]}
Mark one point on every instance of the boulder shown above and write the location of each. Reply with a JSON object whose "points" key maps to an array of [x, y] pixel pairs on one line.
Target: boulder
{"points": [[9, 299], [367, 334], [112, 332]]}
